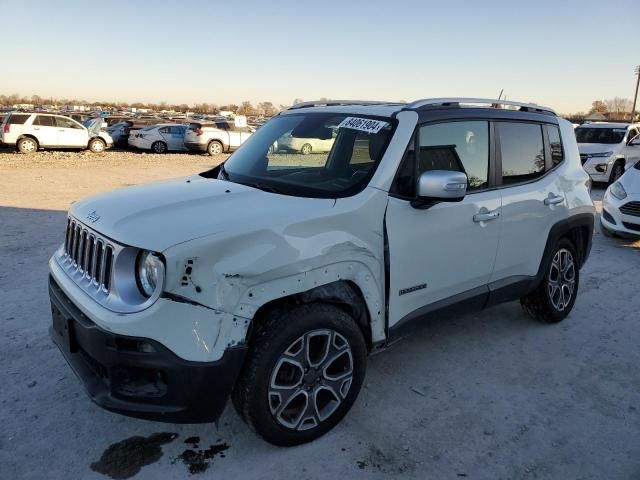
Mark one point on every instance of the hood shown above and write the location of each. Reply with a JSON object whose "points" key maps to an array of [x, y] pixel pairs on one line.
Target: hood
{"points": [[598, 147], [158, 215]]}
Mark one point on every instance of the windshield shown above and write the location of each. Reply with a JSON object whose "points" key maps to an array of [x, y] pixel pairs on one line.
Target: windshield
{"points": [[600, 135], [322, 155]]}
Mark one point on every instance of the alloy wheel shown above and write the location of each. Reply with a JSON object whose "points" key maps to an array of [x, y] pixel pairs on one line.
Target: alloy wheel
{"points": [[311, 379], [562, 279]]}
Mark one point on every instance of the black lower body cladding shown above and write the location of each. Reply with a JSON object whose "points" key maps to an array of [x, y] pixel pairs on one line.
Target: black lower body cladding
{"points": [[139, 377]]}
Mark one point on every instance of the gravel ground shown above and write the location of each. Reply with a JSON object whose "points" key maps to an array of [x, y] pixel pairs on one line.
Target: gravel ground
{"points": [[488, 396]]}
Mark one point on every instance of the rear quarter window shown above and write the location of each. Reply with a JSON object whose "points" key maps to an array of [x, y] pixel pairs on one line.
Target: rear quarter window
{"points": [[18, 119], [555, 144]]}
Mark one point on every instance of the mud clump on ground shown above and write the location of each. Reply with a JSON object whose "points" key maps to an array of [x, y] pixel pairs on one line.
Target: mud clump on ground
{"points": [[124, 459]]}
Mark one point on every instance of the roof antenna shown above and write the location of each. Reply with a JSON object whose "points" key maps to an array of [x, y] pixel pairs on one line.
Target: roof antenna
{"points": [[500, 96]]}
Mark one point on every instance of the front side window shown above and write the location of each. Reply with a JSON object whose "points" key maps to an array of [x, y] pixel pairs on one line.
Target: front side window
{"points": [[63, 122], [522, 151], [458, 146], [323, 155]]}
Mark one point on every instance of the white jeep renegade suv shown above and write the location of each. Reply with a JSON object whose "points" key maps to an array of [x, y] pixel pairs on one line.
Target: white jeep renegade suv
{"points": [[272, 277]]}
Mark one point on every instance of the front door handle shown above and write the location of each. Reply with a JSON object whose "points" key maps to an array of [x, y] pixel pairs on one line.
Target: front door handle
{"points": [[485, 216], [553, 199]]}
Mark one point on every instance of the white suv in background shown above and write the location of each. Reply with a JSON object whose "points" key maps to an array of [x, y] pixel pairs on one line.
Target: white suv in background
{"points": [[272, 277], [31, 131], [215, 137], [606, 150]]}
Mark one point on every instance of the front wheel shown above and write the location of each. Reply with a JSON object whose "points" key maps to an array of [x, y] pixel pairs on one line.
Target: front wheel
{"points": [[97, 145], [554, 298], [306, 149], [304, 372]]}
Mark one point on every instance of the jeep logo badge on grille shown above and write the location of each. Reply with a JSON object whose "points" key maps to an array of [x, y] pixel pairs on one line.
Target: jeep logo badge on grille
{"points": [[93, 217]]}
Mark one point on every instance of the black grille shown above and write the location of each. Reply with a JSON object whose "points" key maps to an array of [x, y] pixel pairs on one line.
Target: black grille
{"points": [[631, 226], [91, 255], [631, 208]]}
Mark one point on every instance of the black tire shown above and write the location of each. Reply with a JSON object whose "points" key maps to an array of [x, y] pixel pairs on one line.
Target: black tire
{"points": [[159, 147], [215, 148], [549, 305], [616, 172], [27, 145], [255, 397], [97, 145], [606, 232], [306, 149]]}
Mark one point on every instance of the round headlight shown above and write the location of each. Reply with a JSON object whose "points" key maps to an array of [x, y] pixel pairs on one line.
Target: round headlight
{"points": [[150, 272]]}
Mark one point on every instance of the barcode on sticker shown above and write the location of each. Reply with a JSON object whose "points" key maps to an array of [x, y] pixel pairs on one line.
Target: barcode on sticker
{"points": [[363, 124]]}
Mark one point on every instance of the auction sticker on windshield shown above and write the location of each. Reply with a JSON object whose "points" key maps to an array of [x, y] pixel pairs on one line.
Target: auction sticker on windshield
{"points": [[363, 124]]}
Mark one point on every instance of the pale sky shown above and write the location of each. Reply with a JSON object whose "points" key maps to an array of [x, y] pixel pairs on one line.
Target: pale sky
{"points": [[563, 54]]}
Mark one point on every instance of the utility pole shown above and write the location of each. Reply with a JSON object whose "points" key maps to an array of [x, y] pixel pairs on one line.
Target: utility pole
{"points": [[635, 97]]}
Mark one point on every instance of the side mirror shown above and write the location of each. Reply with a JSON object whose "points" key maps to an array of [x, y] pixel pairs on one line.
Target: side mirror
{"points": [[635, 142], [436, 186]]}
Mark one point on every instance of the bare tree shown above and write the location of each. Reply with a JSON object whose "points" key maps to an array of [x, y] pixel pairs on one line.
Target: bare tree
{"points": [[598, 106], [246, 109]]}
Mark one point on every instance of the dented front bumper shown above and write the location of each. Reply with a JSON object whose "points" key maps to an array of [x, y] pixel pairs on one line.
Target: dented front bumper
{"points": [[139, 376]]}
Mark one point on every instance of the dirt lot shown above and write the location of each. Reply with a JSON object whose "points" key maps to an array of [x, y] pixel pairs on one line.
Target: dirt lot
{"points": [[489, 396]]}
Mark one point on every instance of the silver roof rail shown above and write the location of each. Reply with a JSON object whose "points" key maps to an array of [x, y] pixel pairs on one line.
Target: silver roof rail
{"points": [[334, 103], [427, 102]]}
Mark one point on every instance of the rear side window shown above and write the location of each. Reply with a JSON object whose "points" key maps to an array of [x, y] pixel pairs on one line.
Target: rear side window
{"points": [[522, 152], [557, 154], [17, 119], [44, 121]]}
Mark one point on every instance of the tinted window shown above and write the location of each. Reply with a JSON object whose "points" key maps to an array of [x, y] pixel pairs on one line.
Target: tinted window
{"points": [[163, 130], [555, 143], [44, 121], [600, 135], [522, 151], [17, 119], [64, 122], [459, 146], [178, 130]]}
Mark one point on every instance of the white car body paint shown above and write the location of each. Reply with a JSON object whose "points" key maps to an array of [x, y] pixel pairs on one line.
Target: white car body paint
{"points": [[630, 181], [248, 247], [163, 132]]}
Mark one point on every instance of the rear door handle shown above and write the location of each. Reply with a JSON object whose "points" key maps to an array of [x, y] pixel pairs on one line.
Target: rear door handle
{"points": [[486, 216], [553, 199]]}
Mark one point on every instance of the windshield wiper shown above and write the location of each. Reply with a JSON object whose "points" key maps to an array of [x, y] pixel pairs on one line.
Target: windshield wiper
{"points": [[265, 188]]}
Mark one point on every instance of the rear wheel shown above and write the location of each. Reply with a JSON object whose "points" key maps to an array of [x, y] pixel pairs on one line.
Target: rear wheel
{"points": [[306, 149], [554, 298], [97, 145], [159, 147], [304, 371], [215, 148], [27, 145]]}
